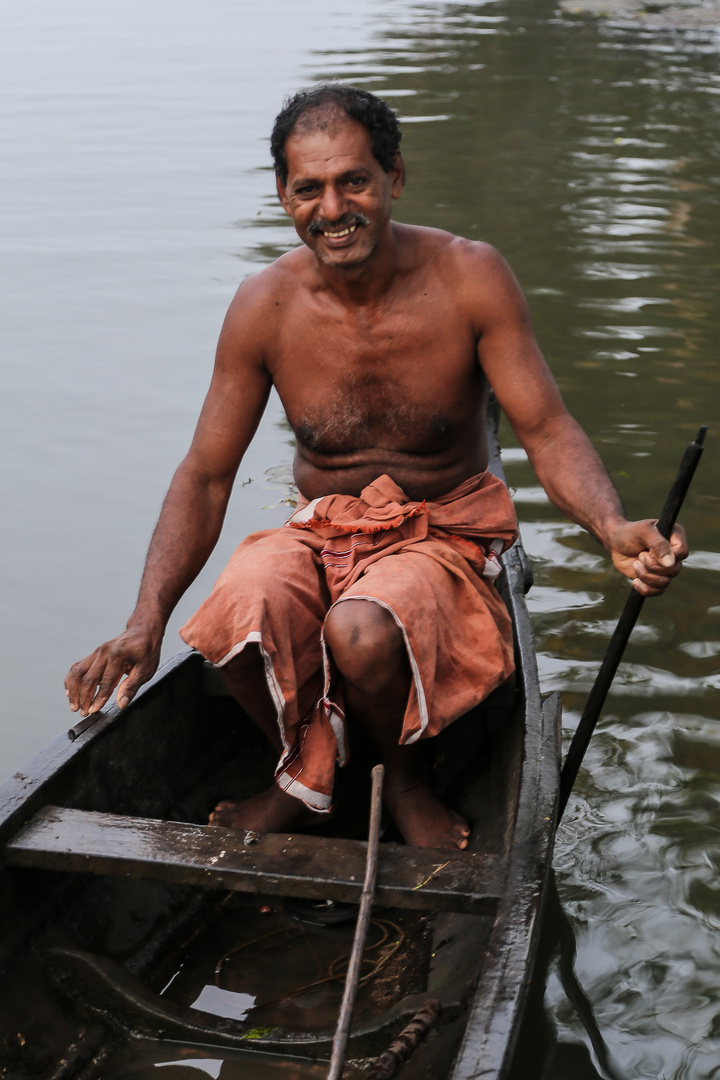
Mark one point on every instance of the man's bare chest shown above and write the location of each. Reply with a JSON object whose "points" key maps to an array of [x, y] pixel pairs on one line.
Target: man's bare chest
{"points": [[398, 382]]}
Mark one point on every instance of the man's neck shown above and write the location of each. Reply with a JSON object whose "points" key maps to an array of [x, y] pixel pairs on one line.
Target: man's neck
{"points": [[367, 283]]}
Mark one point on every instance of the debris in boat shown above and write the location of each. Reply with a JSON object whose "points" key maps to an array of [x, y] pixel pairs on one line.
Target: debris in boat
{"points": [[431, 876], [321, 912], [391, 1060]]}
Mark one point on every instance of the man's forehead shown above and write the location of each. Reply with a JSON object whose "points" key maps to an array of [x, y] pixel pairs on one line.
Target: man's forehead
{"points": [[327, 117], [336, 138]]}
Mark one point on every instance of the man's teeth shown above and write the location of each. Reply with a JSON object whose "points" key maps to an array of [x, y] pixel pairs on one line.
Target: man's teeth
{"points": [[343, 232]]}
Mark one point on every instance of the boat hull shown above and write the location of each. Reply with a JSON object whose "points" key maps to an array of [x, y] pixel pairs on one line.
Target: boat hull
{"points": [[84, 956]]}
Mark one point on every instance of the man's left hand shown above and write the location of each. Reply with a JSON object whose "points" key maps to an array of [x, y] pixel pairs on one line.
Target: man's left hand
{"points": [[641, 553]]}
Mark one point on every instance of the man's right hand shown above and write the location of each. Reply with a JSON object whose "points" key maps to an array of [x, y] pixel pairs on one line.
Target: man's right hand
{"points": [[90, 682]]}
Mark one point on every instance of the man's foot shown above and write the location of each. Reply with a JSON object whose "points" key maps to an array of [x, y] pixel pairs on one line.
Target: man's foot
{"points": [[425, 821], [272, 810], [369, 650]]}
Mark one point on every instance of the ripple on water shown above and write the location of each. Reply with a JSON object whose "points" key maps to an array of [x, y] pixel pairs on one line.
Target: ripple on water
{"points": [[648, 945], [631, 681], [704, 560], [643, 634], [701, 650]]}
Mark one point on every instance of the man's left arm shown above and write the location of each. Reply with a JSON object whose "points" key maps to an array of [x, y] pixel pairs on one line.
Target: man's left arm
{"points": [[565, 461]]}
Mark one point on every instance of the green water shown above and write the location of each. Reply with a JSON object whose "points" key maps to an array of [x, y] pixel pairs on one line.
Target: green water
{"points": [[589, 153]]}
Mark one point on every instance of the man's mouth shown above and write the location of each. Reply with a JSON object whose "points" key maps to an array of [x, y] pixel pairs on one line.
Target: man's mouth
{"points": [[337, 230], [342, 232]]}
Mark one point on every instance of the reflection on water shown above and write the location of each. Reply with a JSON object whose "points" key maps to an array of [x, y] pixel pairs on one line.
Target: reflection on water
{"points": [[588, 153]]}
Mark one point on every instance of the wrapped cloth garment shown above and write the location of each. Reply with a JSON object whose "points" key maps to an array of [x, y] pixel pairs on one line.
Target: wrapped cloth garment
{"points": [[431, 565]]}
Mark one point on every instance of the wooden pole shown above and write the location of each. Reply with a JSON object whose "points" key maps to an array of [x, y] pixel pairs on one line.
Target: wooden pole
{"points": [[353, 972], [624, 628]]}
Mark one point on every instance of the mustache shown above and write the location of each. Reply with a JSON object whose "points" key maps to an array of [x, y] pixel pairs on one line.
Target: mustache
{"points": [[345, 222]]}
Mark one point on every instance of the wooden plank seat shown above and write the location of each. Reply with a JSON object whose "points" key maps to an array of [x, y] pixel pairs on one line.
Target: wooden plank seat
{"points": [[315, 867]]}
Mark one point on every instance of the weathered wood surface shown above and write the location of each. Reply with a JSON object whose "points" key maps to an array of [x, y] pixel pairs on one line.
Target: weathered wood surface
{"points": [[58, 838]]}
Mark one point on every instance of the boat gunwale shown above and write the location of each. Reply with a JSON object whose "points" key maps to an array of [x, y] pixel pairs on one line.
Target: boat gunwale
{"points": [[30, 788], [495, 1014]]}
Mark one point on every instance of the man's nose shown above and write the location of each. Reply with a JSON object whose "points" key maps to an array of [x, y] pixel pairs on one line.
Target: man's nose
{"points": [[334, 204]]}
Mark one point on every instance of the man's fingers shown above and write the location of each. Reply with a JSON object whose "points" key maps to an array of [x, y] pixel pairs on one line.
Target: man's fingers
{"points": [[663, 552], [668, 552], [679, 544], [650, 576], [643, 554], [646, 565], [644, 589], [74, 680], [91, 681], [111, 677], [139, 675], [658, 546], [100, 680]]}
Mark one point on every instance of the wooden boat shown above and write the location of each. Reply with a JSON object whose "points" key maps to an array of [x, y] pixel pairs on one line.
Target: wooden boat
{"points": [[113, 892]]}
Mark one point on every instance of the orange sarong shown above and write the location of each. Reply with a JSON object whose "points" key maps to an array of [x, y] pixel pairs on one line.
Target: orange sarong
{"points": [[431, 565]]}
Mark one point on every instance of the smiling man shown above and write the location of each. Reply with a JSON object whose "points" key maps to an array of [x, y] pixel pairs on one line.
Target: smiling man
{"points": [[382, 341]]}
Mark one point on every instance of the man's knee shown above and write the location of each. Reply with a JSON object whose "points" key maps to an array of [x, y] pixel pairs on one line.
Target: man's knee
{"points": [[366, 644]]}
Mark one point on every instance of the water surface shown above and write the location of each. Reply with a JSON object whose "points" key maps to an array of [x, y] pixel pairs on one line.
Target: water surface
{"points": [[136, 196]]}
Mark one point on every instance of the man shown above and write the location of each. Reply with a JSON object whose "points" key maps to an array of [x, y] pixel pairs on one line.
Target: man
{"points": [[382, 340]]}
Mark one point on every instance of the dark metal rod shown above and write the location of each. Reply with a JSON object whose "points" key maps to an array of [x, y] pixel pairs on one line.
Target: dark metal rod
{"points": [[624, 628], [353, 972]]}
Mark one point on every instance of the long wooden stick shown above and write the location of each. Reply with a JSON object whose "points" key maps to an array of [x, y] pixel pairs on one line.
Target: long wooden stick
{"points": [[624, 628], [353, 972]]}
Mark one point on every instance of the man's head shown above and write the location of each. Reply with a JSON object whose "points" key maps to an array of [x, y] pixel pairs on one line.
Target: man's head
{"points": [[337, 175], [316, 108]]}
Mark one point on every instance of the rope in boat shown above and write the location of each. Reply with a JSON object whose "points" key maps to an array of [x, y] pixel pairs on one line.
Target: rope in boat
{"points": [[337, 968]]}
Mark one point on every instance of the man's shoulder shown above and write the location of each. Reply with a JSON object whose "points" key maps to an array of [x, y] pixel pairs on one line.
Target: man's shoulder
{"points": [[472, 272], [264, 293], [424, 243], [272, 280]]}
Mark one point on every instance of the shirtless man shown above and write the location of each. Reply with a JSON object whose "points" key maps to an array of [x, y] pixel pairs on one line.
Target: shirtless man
{"points": [[382, 340]]}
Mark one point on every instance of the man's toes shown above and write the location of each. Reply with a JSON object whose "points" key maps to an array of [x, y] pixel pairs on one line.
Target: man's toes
{"points": [[222, 813], [461, 834]]}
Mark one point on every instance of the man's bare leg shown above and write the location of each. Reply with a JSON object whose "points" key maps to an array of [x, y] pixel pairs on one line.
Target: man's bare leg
{"points": [[369, 651], [273, 810]]}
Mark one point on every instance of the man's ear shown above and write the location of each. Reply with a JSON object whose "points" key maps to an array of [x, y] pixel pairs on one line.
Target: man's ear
{"points": [[397, 175], [282, 195]]}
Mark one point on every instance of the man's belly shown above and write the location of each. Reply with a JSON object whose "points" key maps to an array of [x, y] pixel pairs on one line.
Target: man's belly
{"points": [[420, 476]]}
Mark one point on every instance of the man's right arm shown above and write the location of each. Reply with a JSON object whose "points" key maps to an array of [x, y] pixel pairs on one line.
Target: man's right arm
{"points": [[564, 459], [194, 508]]}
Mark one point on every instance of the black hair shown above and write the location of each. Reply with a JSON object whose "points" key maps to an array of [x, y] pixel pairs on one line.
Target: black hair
{"points": [[375, 115]]}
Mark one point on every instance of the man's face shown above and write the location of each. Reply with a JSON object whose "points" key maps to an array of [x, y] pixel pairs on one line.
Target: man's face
{"points": [[337, 194]]}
